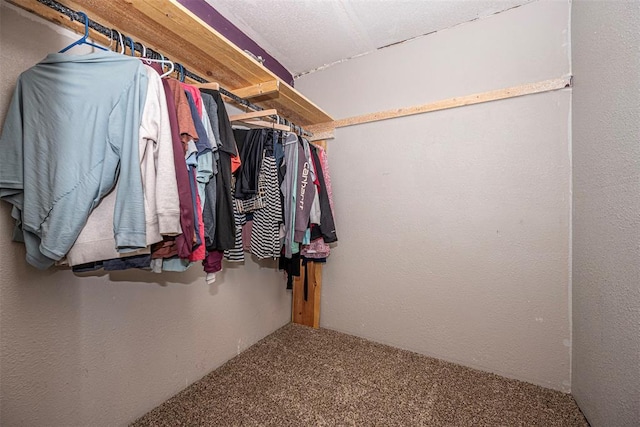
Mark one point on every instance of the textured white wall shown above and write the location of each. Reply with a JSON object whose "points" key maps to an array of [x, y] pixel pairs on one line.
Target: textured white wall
{"points": [[454, 226], [104, 350], [606, 216]]}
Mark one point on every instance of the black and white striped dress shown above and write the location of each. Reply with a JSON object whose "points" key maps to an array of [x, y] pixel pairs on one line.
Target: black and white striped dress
{"points": [[265, 238], [236, 254]]}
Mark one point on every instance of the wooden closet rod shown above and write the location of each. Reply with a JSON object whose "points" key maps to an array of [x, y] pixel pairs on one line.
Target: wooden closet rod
{"points": [[111, 35], [325, 130]]}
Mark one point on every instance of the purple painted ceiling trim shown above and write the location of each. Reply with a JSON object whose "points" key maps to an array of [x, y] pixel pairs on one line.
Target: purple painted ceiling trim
{"points": [[208, 14]]}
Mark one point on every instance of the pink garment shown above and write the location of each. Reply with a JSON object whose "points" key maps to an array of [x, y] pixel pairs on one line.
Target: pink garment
{"points": [[195, 94], [324, 164], [318, 248]]}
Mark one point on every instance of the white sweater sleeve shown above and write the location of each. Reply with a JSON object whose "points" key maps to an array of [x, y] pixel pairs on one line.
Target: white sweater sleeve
{"points": [[157, 163]]}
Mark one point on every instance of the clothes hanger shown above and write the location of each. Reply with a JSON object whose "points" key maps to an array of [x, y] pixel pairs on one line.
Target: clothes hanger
{"points": [[143, 57], [119, 42], [180, 70], [115, 39], [132, 48], [181, 73], [177, 68], [83, 39], [162, 61]]}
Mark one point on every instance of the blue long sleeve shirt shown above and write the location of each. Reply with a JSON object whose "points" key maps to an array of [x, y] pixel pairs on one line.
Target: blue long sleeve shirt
{"points": [[71, 131]]}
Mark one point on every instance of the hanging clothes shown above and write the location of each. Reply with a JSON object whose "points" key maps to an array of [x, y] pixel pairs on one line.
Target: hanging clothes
{"points": [[210, 114], [224, 237], [265, 233], [72, 124], [176, 200], [194, 93], [236, 254], [289, 189], [184, 241], [161, 205], [203, 173], [291, 265], [306, 191], [250, 200], [251, 155], [186, 127], [326, 228], [204, 166]]}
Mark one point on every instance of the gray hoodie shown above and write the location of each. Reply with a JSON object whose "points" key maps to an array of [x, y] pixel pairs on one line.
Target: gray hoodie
{"points": [[306, 190], [288, 188]]}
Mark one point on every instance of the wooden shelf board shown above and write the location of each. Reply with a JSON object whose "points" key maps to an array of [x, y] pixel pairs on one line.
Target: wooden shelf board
{"points": [[170, 28]]}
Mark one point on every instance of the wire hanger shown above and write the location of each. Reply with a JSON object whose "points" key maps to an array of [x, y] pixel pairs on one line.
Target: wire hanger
{"points": [[83, 39]]}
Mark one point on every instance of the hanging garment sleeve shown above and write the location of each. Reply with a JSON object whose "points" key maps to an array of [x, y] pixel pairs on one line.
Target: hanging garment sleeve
{"points": [[224, 237], [183, 241], [327, 225], [306, 191]]}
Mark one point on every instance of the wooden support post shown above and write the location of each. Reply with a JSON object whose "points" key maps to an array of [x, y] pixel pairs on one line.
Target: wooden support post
{"points": [[307, 312]]}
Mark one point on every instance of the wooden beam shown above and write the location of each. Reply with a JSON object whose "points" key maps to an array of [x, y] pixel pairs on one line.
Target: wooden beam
{"points": [[263, 124], [253, 115], [321, 134], [302, 112], [307, 312], [210, 85], [265, 88], [316, 282], [325, 129]]}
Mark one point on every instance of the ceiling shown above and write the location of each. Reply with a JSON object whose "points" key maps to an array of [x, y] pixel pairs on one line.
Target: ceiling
{"points": [[305, 35]]}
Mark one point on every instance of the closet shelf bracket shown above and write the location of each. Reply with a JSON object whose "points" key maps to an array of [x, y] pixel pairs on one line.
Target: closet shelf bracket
{"points": [[322, 135], [260, 89], [261, 124], [253, 115]]}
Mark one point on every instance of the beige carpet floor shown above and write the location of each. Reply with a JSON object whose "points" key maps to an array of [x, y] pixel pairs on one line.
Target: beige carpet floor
{"points": [[299, 376]]}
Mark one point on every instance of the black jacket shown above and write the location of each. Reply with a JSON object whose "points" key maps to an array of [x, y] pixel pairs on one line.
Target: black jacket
{"points": [[327, 227], [225, 227]]}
